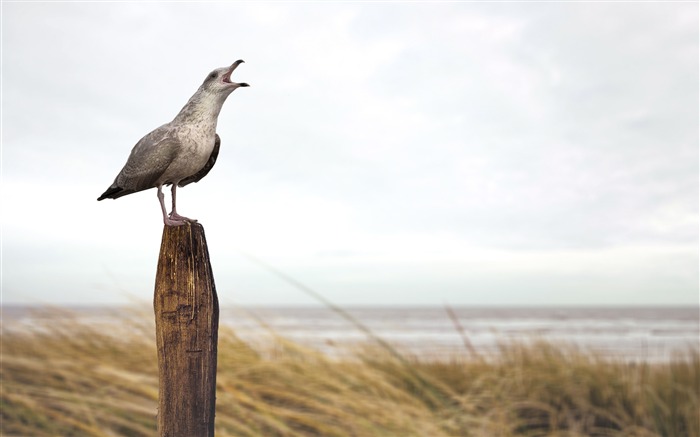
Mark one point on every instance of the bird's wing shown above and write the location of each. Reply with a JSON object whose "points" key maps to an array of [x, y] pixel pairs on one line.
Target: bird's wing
{"points": [[208, 166], [147, 162]]}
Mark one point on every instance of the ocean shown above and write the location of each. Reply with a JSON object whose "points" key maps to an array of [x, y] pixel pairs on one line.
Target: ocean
{"points": [[630, 333], [627, 333]]}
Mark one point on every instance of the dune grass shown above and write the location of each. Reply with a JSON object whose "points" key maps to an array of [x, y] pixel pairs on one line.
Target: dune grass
{"points": [[72, 379]]}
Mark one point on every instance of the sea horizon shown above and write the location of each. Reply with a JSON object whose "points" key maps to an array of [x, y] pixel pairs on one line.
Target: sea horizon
{"points": [[635, 333]]}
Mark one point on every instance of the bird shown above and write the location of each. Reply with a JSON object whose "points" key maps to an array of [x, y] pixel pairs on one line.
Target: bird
{"points": [[180, 152]]}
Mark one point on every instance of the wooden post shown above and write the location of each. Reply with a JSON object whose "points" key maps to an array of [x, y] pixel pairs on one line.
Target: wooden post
{"points": [[187, 323]]}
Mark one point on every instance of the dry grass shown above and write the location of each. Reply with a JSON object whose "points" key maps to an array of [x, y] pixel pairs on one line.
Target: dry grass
{"points": [[70, 379]]}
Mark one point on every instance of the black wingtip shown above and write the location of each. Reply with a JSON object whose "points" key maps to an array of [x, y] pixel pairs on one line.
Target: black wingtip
{"points": [[111, 193]]}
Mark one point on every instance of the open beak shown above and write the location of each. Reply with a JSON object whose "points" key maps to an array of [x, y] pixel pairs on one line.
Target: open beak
{"points": [[227, 76]]}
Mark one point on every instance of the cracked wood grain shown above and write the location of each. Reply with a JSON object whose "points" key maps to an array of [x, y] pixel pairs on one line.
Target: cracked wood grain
{"points": [[187, 319]]}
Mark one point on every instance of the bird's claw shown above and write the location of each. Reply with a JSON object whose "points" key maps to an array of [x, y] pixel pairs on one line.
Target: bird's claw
{"points": [[170, 222], [180, 218]]}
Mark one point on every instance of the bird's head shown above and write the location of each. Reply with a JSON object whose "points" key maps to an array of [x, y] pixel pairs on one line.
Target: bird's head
{"points": [[219, 80]]}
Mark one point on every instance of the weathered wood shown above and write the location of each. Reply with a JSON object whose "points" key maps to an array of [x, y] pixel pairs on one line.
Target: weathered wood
{"points": [[187, 321]]}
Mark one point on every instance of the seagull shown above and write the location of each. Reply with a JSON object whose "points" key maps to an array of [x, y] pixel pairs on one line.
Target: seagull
{"points": [[180, 152]]}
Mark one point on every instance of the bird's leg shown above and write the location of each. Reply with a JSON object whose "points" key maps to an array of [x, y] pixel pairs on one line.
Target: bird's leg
{"points": [[174, 215], [168, 221]]}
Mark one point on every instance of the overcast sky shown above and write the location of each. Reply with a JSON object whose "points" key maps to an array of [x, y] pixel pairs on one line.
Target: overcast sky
{"points": [[385, 153]]}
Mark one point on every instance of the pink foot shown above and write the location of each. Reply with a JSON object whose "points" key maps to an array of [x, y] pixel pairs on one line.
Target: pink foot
{"points": [[173, 222], [175, 216]]}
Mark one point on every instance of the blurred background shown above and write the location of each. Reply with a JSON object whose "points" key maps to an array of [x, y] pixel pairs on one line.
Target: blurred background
{"points": [[490, 209], [385, 154]]}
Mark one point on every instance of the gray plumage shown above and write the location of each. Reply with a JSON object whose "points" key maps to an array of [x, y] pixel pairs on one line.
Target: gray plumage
{"points": [[180, 152], [208, 166]]}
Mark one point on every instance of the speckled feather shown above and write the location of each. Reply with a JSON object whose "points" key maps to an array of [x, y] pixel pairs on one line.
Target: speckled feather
{"points": [[180, 152]]}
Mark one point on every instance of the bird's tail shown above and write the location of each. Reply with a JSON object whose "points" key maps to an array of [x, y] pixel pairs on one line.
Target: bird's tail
{"points": [[114, 192]]}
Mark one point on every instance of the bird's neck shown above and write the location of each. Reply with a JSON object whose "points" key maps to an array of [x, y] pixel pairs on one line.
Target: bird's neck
{"points": [[202, 106]]}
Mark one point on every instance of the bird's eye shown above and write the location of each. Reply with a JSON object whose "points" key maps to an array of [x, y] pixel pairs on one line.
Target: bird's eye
{"points": [[212, 75]]}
